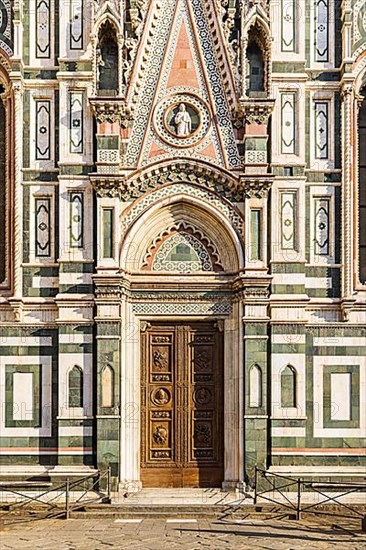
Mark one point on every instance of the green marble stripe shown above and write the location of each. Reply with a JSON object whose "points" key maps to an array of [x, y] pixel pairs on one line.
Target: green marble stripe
{"points": [[288, 289], [35, 176], [288, 423], [284, 67], [76, 267], [108, 329], [75, 441], [296, 460], [282, 267], [76, 169], [339, 351], [75, 348], [72, 330], [69, 423], [24, 351], [288, 329], [76, 289], [291, 347]]}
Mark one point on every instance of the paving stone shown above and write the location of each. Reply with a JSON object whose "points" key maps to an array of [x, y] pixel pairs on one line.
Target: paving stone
{"points": [[160, 535]]}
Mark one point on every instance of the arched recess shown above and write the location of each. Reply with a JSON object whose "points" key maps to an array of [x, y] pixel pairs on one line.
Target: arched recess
{"points": [[107, 387], [107, 59], [255, 386], [6, 173], [75, 379], [288, 378], [172, 212], [257, 59]]}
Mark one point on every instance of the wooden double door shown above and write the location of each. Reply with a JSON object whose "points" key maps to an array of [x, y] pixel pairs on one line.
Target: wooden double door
{"points": [[182, 405]]}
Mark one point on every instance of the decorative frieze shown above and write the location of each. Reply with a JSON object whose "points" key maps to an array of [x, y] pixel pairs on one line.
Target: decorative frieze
{"points": [[166, 308]]}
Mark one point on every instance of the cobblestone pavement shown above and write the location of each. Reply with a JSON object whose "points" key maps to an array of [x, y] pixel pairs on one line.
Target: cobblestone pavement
{"points": [[156, 534]]}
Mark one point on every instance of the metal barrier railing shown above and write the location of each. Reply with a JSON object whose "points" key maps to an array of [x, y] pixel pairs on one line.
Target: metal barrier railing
{"points": [[299, 485], [69, 491]]}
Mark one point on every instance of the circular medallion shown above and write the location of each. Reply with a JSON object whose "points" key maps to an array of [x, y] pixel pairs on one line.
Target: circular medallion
{"points": [[160, 397], [202, 396], [182, 120]]}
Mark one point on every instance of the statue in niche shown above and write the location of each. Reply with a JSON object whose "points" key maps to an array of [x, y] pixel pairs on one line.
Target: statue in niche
{"points": [[183, 122]]}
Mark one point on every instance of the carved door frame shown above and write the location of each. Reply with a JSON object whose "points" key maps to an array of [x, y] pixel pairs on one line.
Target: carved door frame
{"points": [[130, 390]]}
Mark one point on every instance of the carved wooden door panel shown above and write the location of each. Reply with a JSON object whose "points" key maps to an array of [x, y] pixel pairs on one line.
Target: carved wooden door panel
{"points": [[182, 406]]}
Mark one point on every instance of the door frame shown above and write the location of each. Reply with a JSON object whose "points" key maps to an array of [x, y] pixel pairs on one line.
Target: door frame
{"points": [[130, 391]]}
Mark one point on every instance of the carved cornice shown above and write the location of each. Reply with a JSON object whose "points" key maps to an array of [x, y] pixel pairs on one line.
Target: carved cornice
{"points": [[108, 185], [254, 111], [221, 182], [112, 110], [231, 188], [256, 187]]}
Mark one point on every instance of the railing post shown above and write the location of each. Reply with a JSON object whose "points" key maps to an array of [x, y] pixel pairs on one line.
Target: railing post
{"points": [[109, 482], [67, 498], [298, 504], [255, 484]]}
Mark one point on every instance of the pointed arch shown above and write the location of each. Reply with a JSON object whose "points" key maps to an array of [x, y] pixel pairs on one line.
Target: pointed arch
{"points": [[255, 386], [106, 16], [257, 50], [107, 387], [178, 209], [75, 387], [288, 380], [107, 59]]}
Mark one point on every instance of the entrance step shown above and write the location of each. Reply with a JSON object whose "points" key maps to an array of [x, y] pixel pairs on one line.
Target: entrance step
{"points": [[172, 511], [199, 497]]}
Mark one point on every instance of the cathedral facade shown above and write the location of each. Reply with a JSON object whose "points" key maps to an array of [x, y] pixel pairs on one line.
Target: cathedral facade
{"points": [[182, 239]]}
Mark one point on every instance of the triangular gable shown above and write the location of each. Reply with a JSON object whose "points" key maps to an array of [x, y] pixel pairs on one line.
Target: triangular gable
{"points": [[181, 60], [183, 69]]}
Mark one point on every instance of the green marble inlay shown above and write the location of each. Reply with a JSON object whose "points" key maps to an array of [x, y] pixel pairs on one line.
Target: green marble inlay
{"points": [[328, 406], [12, 408]]}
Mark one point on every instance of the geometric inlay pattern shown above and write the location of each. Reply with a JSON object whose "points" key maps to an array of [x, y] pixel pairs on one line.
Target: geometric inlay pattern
{"points": [[182, 248]]}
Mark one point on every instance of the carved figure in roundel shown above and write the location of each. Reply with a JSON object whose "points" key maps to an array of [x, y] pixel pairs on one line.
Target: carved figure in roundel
{"points": [[183, 121], [160, 397]]}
